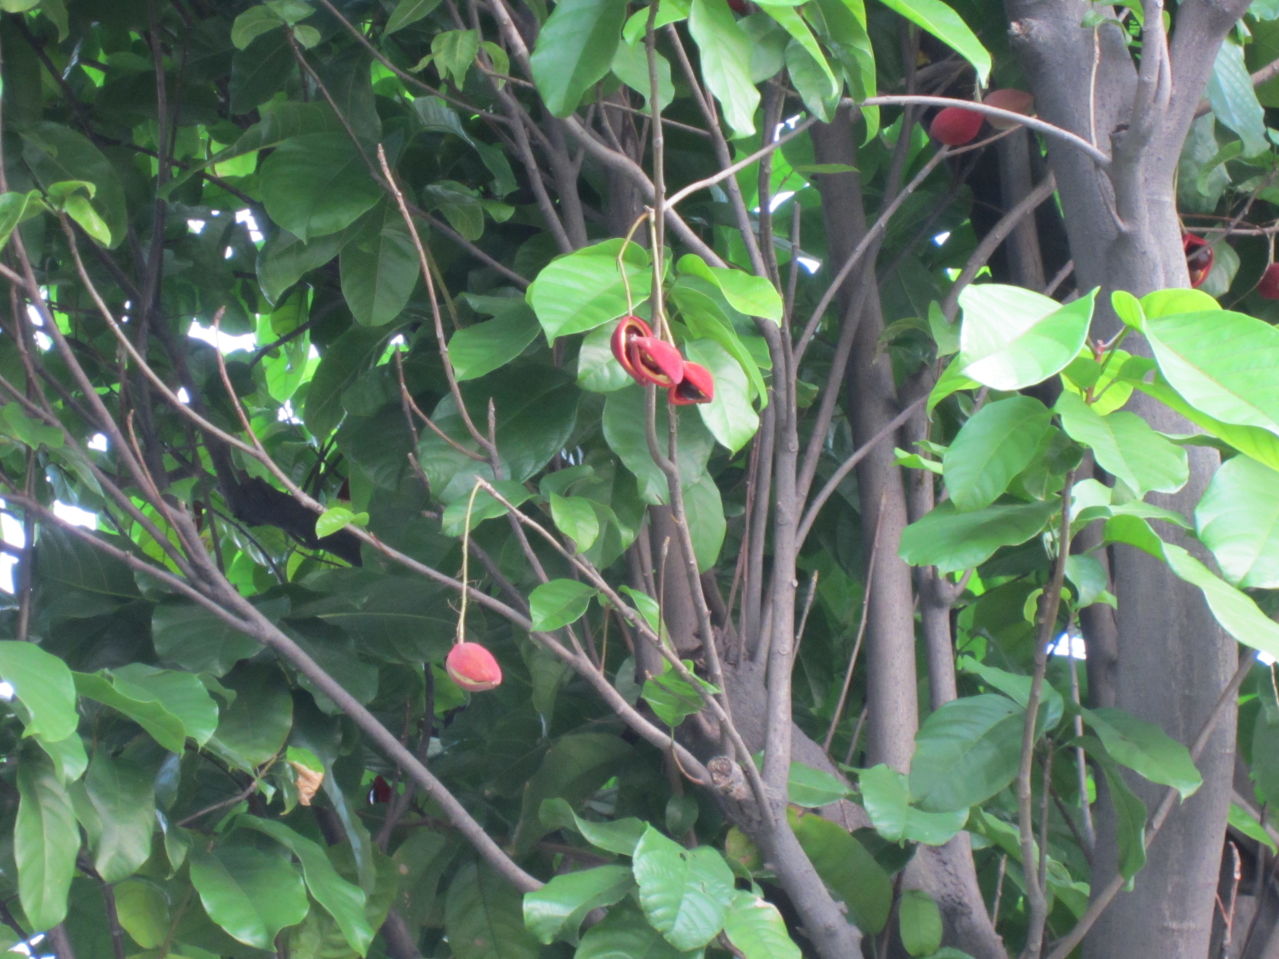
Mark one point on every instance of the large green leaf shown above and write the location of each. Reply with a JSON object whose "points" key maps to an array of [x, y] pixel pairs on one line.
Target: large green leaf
{"points": [[626, 934], [45, 842], [483, 917], [730, 416], [617, 836], [966, 751], [316, 184], [138, 704], [1012, 338], [919, 920], [342, 900], [1234, 98], [574, 49], [684, 892], [44, 686], [706, 522], [1126, 446], [725, 57], [947, 26], [1144, 748], [571, 769], [996, 444], [122, 793], [1130, 812], [190, 636], [557, 909], [847, 868], [250, 893], [56, 153], [886, 798], [379, 267], [1238, 519], [952, 541], [757, 930], [253, 729], [1222, 363], [484, 347], [625, 413], [585, 289], [559, 603]]}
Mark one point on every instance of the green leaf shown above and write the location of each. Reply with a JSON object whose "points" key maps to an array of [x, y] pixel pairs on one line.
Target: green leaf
{"points": [[559, 603], [749, 295], [814, 788], [1012, 338], [584, 289], [484, 347], [16, 209], [947, 26], [683, 892], [253, 729], [576, 518], [45, 842], [557, 909], [123, 796], [618, 836], [730, 416], [78, 207], [707, 525], [996, 444], [194, 638], [1126, 446], [252, 23], [342, 900], [408, 12], [44, 686], [316, 184], [1144, 748], [1251, 826], [625, 413], [966, 751], [954, 541], [574, 49], [143, 911], [572, 769], [886, 798], [919, 921], [1231, 607], [757, 930], [846, 867], [672, 697], [1238, 519], [725, 59], [1221, 363], [1234, 98], [1130, 814], [1261, 444], [337, 518], [251, 894], [379, 267], [484, 506], [453, 52], [139, 704], [626, 934], [630, 65], [285, 259], [56, 153], [483, 918]]}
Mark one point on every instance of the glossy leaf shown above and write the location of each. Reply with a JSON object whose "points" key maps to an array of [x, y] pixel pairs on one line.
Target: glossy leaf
{"points": [[123, 796], [1012, 338], [44, 686], [585, 289], [479, 349], [1126, 446], [965, 752], [626, 934], [996, 444], [379, 267], [1238, 519], [251, 894], [672, 697], [952, 541], [813, 788], [919, 920], [725, 59], [557, 909], [317, 184], [850, 872], [757, 930], [1220, 363], [45, 842], [559, 603], [730, 416], [886, 798], [483, 918], [683, 892], [1144, 748], [618, 836], [576, 518], [574, 49], [946, 25]]}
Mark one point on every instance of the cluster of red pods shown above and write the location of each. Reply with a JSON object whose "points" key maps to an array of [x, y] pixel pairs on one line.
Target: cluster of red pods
{"points": [[654, 362]]}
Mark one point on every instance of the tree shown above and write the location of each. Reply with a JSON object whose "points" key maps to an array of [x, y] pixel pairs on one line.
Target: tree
{"points": [[767, 446]]}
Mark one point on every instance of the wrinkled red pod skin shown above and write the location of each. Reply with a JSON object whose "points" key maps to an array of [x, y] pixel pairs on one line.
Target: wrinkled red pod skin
{"points": [[955, 126], [473, 667], [697, 386], [628, 328], [1268, 288], [654, 362], [1198, 258]]}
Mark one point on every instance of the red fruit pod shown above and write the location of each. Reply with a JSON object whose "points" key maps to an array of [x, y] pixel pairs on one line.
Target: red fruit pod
{"points": [[697, 386], [473, 667], [955, 126], [654, 361], [1018, 101], [1198, 258], [1268, 288], [628, 328]]}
